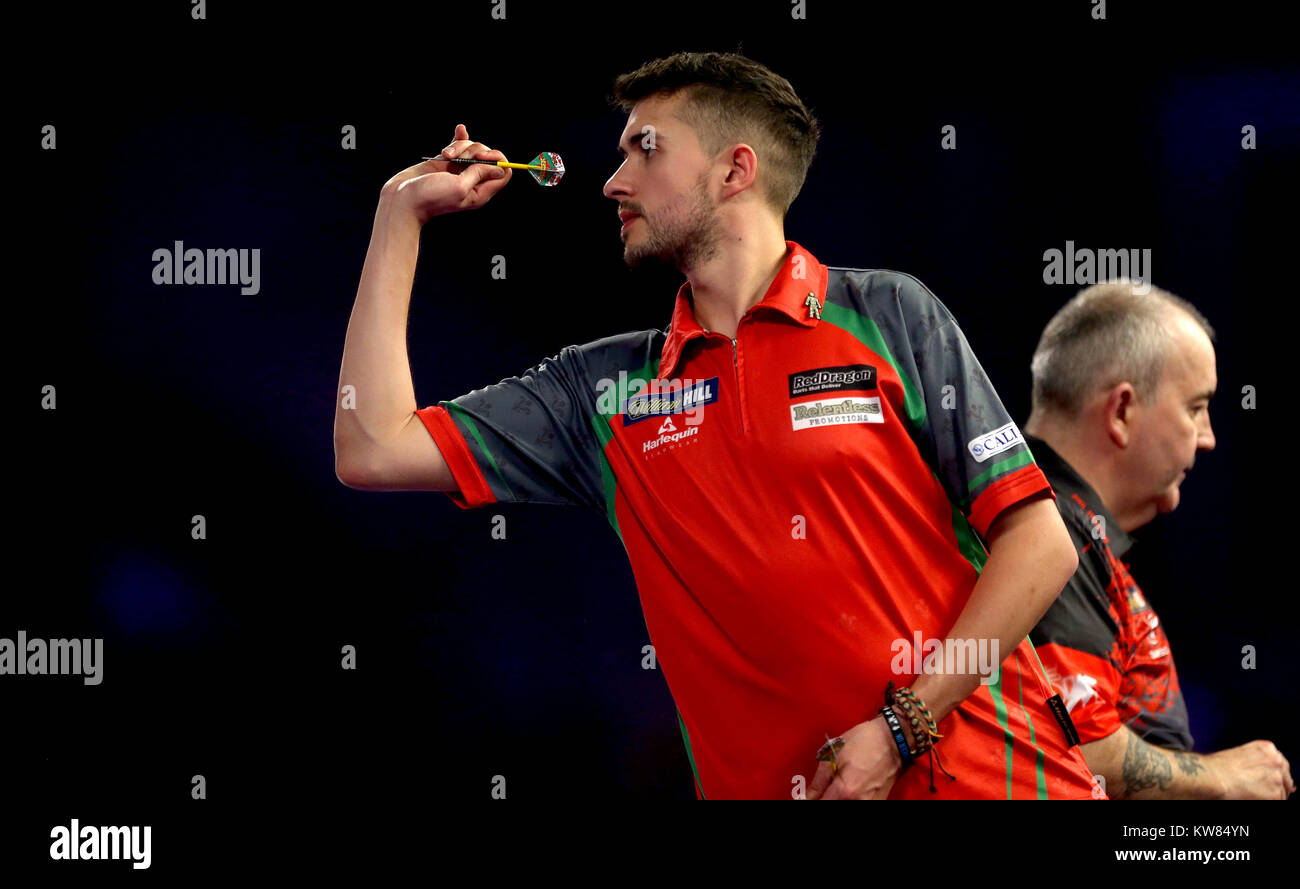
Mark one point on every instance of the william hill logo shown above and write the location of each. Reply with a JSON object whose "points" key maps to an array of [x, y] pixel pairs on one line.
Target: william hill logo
{"points": [[657, 404], [984, 446]]}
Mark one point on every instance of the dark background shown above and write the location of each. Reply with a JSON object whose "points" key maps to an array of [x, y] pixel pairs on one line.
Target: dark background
{"points": [[521, 657]]}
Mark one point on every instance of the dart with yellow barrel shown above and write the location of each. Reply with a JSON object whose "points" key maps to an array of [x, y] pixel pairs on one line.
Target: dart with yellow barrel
{"points": [[546, 168]]}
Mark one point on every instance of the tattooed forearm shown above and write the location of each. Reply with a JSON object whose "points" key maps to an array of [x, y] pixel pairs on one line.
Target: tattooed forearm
{"points": [[1144, 767], [1190, 763]]}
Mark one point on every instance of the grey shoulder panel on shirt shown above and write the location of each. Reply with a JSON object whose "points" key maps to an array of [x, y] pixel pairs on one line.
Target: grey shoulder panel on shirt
{"points": [[605, 358], [898, 302], [907, 314], [532, 434], [957, 420]]}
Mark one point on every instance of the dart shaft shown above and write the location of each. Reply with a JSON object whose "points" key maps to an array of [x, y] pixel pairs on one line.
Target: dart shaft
{"points": [[474, 160]]}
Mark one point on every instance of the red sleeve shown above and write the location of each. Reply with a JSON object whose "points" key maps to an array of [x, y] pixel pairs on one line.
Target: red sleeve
{"points": [[1007, 491], [473, 490]]}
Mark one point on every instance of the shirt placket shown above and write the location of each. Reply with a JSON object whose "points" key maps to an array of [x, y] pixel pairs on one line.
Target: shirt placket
{"points": [[737, 369]]}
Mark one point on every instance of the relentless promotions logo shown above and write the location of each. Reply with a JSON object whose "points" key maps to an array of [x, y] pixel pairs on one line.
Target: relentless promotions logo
{"points": [[834, 413], [832, 379], [657, 404], [984, 446]]}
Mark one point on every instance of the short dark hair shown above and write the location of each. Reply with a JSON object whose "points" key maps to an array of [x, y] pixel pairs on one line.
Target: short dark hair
{"points": [[730, 98]]}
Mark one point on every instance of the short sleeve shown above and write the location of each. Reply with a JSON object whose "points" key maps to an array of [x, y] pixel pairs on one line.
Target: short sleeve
{"points": [[526, 439], [976, 450]]}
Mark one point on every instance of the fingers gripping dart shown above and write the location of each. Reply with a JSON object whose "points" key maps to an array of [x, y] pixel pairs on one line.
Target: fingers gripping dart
{"points": [[546, 169], [828, 752]]}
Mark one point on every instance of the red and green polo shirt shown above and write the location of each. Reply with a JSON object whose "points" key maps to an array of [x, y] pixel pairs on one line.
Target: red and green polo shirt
{"points": [[794, 501]]}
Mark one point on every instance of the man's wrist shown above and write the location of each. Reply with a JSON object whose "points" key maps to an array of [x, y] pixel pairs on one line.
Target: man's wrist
{"points": [[943, 693], [894, 729], [392, 213], [896, 756], [1209, 782]]}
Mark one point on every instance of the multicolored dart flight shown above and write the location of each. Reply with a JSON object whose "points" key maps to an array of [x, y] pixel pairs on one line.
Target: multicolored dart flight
{"points": [[546, 168]]}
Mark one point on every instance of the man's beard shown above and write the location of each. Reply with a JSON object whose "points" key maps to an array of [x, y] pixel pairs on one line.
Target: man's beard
{"points": [[680, 243]]}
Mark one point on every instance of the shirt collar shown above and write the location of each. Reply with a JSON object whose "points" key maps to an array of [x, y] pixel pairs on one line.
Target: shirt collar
{"points": [[800, 277], [1066, 480]]}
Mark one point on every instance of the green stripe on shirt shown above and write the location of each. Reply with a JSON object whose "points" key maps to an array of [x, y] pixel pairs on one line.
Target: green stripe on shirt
{"points": [[478, 437], [1016, 461], [605, 434], [868, 333]]}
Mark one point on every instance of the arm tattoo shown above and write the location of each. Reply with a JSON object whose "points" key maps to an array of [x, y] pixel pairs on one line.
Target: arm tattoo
{"points": [[1190, 763], [1144, 766]]}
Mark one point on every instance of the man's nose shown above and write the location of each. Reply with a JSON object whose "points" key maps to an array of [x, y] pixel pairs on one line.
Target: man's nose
{"points": [[616, 186], [1205, 435]]}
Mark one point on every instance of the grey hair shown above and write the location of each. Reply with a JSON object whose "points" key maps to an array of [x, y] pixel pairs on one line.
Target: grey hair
{"points": [[1107, 334]]}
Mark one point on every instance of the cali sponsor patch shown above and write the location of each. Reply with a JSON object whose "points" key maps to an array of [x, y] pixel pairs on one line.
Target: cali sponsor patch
{"points": [[982, 447], [832, 379], [836, 412], [657, 404]]}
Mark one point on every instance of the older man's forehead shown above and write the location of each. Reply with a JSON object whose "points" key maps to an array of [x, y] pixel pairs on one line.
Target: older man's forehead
{"points": [[1193, 356], [1194, 340]]}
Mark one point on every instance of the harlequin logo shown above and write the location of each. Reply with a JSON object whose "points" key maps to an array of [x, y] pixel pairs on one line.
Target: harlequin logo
{"points": [[669, 437], [984, 446]]}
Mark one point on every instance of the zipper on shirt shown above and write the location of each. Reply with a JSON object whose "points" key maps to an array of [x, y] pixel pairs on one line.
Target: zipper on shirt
{"points": [[735, 367]]}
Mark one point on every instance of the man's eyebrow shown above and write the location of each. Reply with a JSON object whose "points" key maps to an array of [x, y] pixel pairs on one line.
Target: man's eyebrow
{"points": [[1206, 395], [636, 137]]}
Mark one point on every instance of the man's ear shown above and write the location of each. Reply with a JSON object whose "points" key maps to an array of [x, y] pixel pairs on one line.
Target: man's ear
{"points": [[744, 170], [1121, 412]]}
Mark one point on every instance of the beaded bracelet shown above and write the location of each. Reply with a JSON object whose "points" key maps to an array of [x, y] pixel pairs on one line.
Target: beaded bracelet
{"points": [[924, 728]]}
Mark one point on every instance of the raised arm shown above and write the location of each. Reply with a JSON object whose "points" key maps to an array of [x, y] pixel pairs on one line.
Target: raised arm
{"points": [[379, 442]]}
